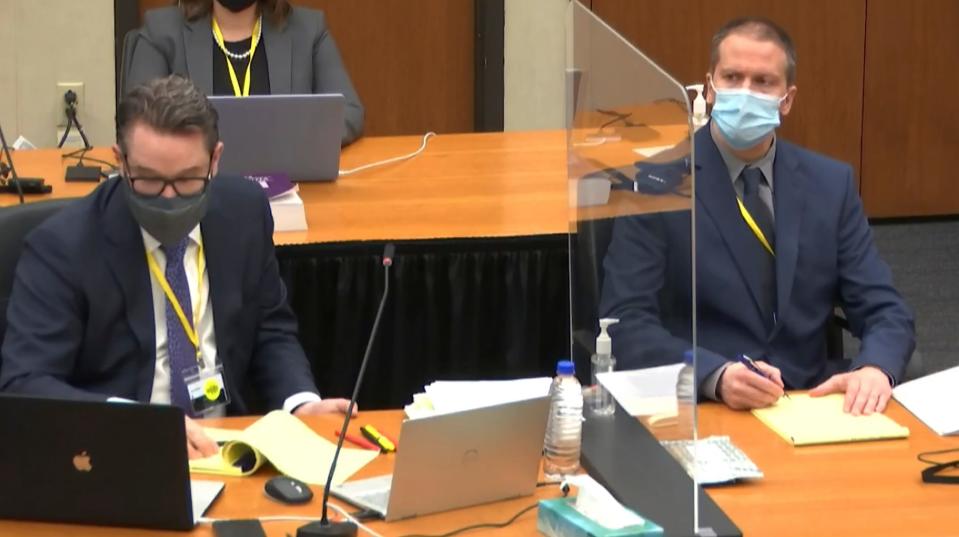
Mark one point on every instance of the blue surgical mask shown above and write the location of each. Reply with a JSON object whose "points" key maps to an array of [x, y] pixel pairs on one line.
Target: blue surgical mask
{"points": [[745, 117]]}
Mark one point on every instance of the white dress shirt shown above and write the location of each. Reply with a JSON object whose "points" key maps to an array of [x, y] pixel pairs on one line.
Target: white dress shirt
{"points": [[200, 297]]}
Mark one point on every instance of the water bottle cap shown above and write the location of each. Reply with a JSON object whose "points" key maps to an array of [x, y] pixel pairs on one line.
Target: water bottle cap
{"points": [[565, 367], [688, 357]]}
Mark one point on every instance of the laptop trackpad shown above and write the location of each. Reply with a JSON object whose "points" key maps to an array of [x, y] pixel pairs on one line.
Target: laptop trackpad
{"points": [[203, 493]]}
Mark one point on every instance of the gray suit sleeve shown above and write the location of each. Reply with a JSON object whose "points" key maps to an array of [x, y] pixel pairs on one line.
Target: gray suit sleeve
{"points": [[152, 53], [330, 76]]}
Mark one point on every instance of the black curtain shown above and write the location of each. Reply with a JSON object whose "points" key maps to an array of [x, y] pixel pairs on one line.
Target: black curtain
{"points": [[458, 309]]}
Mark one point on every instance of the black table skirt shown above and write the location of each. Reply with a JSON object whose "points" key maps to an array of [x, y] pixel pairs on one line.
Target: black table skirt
{"points": [[458, 309]]}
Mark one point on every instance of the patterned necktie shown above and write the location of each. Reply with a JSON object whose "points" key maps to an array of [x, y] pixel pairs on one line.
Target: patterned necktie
{"points": [[181, 352], [752, 177]]}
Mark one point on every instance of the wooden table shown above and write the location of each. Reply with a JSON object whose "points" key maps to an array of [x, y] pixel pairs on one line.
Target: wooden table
{"points": [[463, 185], [872, 488]]}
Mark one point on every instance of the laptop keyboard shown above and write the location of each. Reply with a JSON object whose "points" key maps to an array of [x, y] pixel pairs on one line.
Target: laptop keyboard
{"points": [[713, 460], [379, 498], [373, 492]]}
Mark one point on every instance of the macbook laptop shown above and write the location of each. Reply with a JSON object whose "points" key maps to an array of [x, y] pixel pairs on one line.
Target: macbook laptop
{"points": [[457, 460], [299, 135], [110, 464]]}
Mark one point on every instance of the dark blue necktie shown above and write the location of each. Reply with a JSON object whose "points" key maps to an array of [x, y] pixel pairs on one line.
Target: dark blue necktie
{"points": [[181, 352], [760, 213]]}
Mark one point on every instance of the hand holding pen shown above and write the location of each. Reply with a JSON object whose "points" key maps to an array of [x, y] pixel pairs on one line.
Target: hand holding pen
{"points": [[752, 366], [746, 384]]}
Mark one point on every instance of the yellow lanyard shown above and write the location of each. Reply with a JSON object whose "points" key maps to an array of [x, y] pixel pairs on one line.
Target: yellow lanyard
{"points": [[752, 225], [218, 35], [190, 330]]}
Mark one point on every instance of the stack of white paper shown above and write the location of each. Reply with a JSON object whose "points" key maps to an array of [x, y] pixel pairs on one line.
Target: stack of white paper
{"points": [[934, 399], [446, 396], [288, 212]]}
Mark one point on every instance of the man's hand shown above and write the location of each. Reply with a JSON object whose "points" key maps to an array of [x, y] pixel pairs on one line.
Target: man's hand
{"points": [[198, 444], [742, 389], [325, 406], [867, 390]]}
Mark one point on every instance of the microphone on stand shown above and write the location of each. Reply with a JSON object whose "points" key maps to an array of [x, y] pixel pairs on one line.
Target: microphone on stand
{"points": [[324, 527], [78, 172], [16, 184]]}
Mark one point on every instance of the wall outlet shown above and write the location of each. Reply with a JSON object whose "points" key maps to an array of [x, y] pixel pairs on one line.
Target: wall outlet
{"points": [[62, 89]]}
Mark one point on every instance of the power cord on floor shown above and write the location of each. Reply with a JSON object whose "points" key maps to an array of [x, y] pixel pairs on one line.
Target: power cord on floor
{"points": [[426, 137]]}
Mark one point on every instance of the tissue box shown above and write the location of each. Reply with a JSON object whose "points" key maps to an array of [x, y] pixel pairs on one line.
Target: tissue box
{"points": [[558, 518]]}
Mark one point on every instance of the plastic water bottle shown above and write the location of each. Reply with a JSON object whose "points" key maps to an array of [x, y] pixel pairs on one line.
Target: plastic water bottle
{"points": [[564, 431], [686, 395]]}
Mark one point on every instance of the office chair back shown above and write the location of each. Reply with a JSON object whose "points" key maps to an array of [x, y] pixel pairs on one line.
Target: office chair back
{"points": [[129, 46], [15, 223]]}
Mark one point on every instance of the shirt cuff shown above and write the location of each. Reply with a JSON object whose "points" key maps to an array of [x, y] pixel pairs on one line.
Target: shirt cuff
{"points": [[892, 380], [297, 399], [710, 388]]}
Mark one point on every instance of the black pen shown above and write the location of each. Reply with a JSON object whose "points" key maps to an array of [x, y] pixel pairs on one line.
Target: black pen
{"points": [[751, 365]]}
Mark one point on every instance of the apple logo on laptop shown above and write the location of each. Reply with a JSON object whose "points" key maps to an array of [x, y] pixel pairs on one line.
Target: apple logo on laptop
{"points": [[82, 462]]}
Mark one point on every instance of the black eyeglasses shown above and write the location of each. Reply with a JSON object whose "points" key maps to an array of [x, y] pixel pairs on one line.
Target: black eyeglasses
{"points": [[185, 187]]}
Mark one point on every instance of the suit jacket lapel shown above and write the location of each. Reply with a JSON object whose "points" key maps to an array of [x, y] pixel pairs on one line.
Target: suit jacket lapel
{"points": [[278, 46], [126, 257], [224, 293], [198, 38], [716, 198], [789, 199]]}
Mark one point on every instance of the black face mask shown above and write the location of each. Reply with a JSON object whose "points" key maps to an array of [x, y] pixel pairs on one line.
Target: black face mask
{"points": [[236, 5]]}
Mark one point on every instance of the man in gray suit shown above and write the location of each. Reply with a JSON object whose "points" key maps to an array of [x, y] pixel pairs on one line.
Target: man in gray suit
{"points": [[243, 47]]}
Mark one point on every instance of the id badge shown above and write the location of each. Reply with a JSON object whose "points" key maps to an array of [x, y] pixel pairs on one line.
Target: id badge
{"points": [[206, 388]]}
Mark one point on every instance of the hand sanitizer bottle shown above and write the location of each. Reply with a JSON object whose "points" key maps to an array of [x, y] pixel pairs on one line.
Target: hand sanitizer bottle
{"points": [[602, 404]]}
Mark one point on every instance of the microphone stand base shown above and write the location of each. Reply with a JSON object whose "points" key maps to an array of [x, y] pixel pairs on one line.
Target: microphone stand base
{"points": [[330, 529]]}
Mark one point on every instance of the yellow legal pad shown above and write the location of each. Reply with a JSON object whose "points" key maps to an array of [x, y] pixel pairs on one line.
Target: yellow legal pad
{"points": [[803, 420], [292, 447]]}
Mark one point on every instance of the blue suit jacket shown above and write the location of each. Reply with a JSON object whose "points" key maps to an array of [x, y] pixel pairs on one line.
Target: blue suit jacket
{"points": [[80, 318], [825, 256]]}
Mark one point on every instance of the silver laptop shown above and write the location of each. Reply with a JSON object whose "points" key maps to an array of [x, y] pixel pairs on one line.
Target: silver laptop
{"points": [[299, 135], [458, 460], [110, 464]]}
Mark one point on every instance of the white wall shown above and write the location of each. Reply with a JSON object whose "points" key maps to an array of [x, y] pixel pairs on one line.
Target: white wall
{"points": [[43, 42], [535, 63]]}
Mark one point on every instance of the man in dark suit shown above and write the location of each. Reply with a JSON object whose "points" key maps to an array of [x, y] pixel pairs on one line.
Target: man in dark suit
{"points": [[781, 238], [164, 270]]}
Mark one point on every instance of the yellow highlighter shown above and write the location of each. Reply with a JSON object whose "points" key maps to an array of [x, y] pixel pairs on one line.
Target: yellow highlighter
{"points": [[384, 443]]}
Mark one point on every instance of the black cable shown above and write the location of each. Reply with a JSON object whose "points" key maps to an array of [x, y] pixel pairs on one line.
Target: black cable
{"points": [[66, 132], [76, 121], [922, 457], [492, 525], [81, 157]]}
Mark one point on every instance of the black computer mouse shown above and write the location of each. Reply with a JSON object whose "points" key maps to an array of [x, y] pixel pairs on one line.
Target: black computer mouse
{"points": [[285, 489]]}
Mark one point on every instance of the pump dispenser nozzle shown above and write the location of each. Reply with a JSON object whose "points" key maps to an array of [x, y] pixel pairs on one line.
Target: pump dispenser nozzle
{"points": [[699, 106]]}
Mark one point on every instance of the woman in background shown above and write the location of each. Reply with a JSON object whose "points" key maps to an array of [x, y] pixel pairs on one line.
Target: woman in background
{"points": [[244, 47]]}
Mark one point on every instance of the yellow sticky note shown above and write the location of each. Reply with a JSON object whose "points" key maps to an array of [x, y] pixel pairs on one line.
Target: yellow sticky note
{"points": [[802, 420]]}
